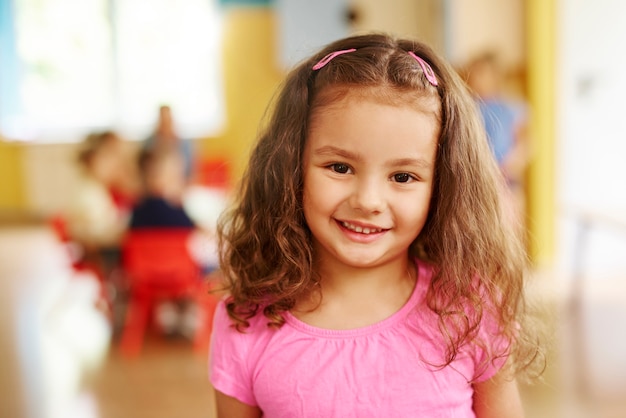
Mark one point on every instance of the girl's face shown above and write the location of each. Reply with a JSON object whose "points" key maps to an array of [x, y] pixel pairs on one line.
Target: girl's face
{"points": [[166, 177], [368, 178], [106, 162]]}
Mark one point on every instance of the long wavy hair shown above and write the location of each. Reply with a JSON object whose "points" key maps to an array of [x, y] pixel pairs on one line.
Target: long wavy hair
{"points": [[266, 250]]}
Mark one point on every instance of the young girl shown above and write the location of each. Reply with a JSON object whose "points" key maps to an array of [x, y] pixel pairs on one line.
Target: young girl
{"points": [[370, 271]]}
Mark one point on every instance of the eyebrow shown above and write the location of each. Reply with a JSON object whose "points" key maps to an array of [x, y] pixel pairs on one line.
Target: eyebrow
{"points": [[329, 150], [400, 162]]}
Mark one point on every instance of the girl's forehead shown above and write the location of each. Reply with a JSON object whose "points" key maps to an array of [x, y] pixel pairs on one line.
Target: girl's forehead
{"points": [[386, 95], [378, 129], [335, 97]]}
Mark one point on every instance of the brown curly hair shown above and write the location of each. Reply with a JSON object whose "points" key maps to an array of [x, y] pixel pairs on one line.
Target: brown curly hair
{"points": [[265, 245]]}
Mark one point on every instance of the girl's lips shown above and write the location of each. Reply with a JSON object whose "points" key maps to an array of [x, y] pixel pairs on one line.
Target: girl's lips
{"points": [[361, 228]]}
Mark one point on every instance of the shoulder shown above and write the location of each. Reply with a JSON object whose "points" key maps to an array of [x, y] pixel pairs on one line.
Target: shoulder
{"points": [[234, 354], [237, 342], [257, 323]]}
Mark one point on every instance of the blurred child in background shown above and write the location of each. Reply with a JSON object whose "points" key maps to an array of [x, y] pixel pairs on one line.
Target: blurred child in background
{"points": [[162, 172], [93, 219], [505, 120]]}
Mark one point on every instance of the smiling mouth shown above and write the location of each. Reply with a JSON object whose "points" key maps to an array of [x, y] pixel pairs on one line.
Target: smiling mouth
{"points": [[360, 229]]}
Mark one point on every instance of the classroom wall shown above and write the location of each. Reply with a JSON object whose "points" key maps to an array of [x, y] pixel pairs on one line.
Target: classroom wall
{"points": [[589, 153], [407, 18], [473, 26]]}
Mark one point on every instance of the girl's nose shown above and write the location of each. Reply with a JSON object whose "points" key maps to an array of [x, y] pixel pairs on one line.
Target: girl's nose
{"points": [[369, 196]]}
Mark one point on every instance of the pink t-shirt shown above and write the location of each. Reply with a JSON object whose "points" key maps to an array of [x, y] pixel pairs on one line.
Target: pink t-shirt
{"points": [[388, 369]]}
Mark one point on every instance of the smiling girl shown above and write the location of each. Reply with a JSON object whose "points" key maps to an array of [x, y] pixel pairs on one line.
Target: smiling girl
{"points": [[370, 269]]}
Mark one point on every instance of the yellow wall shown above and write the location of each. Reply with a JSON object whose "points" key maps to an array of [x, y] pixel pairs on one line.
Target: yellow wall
{"points": [[251, 77], [541, 44], [12, 197]]}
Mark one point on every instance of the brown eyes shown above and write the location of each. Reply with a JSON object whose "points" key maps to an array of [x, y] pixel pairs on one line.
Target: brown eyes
{"points": [[341, 168], [402, 177]]}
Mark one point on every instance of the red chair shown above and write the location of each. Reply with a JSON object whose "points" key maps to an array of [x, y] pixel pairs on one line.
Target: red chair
{"points": [[159, 266]]}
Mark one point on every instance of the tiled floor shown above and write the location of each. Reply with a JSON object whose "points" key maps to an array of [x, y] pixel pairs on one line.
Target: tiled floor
{"points": [[169, 380]]}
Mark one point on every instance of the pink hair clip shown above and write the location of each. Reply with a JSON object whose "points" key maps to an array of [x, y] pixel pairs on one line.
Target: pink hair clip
{"points": [[428, 71], [330, 56]]}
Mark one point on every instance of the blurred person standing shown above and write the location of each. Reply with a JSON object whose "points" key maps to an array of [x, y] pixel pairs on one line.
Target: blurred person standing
{"points": [[165, 136]]}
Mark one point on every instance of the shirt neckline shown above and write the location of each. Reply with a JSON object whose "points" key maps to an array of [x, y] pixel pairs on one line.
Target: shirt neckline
{"points": [[400, 314]]}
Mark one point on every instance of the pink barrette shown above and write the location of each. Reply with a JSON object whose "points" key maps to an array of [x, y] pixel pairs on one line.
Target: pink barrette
{"points": [[428, 71], [330, 56]]}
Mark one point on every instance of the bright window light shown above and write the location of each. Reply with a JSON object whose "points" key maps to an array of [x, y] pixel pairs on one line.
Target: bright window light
{"points": [[94, 64]]}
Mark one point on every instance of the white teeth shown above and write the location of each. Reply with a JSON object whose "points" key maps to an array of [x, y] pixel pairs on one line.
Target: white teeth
{"points": [[360, 229]]}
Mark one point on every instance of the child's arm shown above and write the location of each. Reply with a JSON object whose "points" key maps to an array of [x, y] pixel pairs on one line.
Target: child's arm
{"points": [[229, 407], [497, 398]]}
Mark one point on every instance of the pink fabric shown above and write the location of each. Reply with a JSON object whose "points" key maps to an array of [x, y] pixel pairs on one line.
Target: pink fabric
{"points": [[377, 371]]}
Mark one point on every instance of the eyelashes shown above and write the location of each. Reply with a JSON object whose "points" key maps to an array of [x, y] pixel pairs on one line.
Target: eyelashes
{"points": [[400, 177], [340, 168], [404, 178]]}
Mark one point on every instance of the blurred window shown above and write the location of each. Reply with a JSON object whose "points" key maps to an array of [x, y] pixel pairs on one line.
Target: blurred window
{"points": [[69, 66]]}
